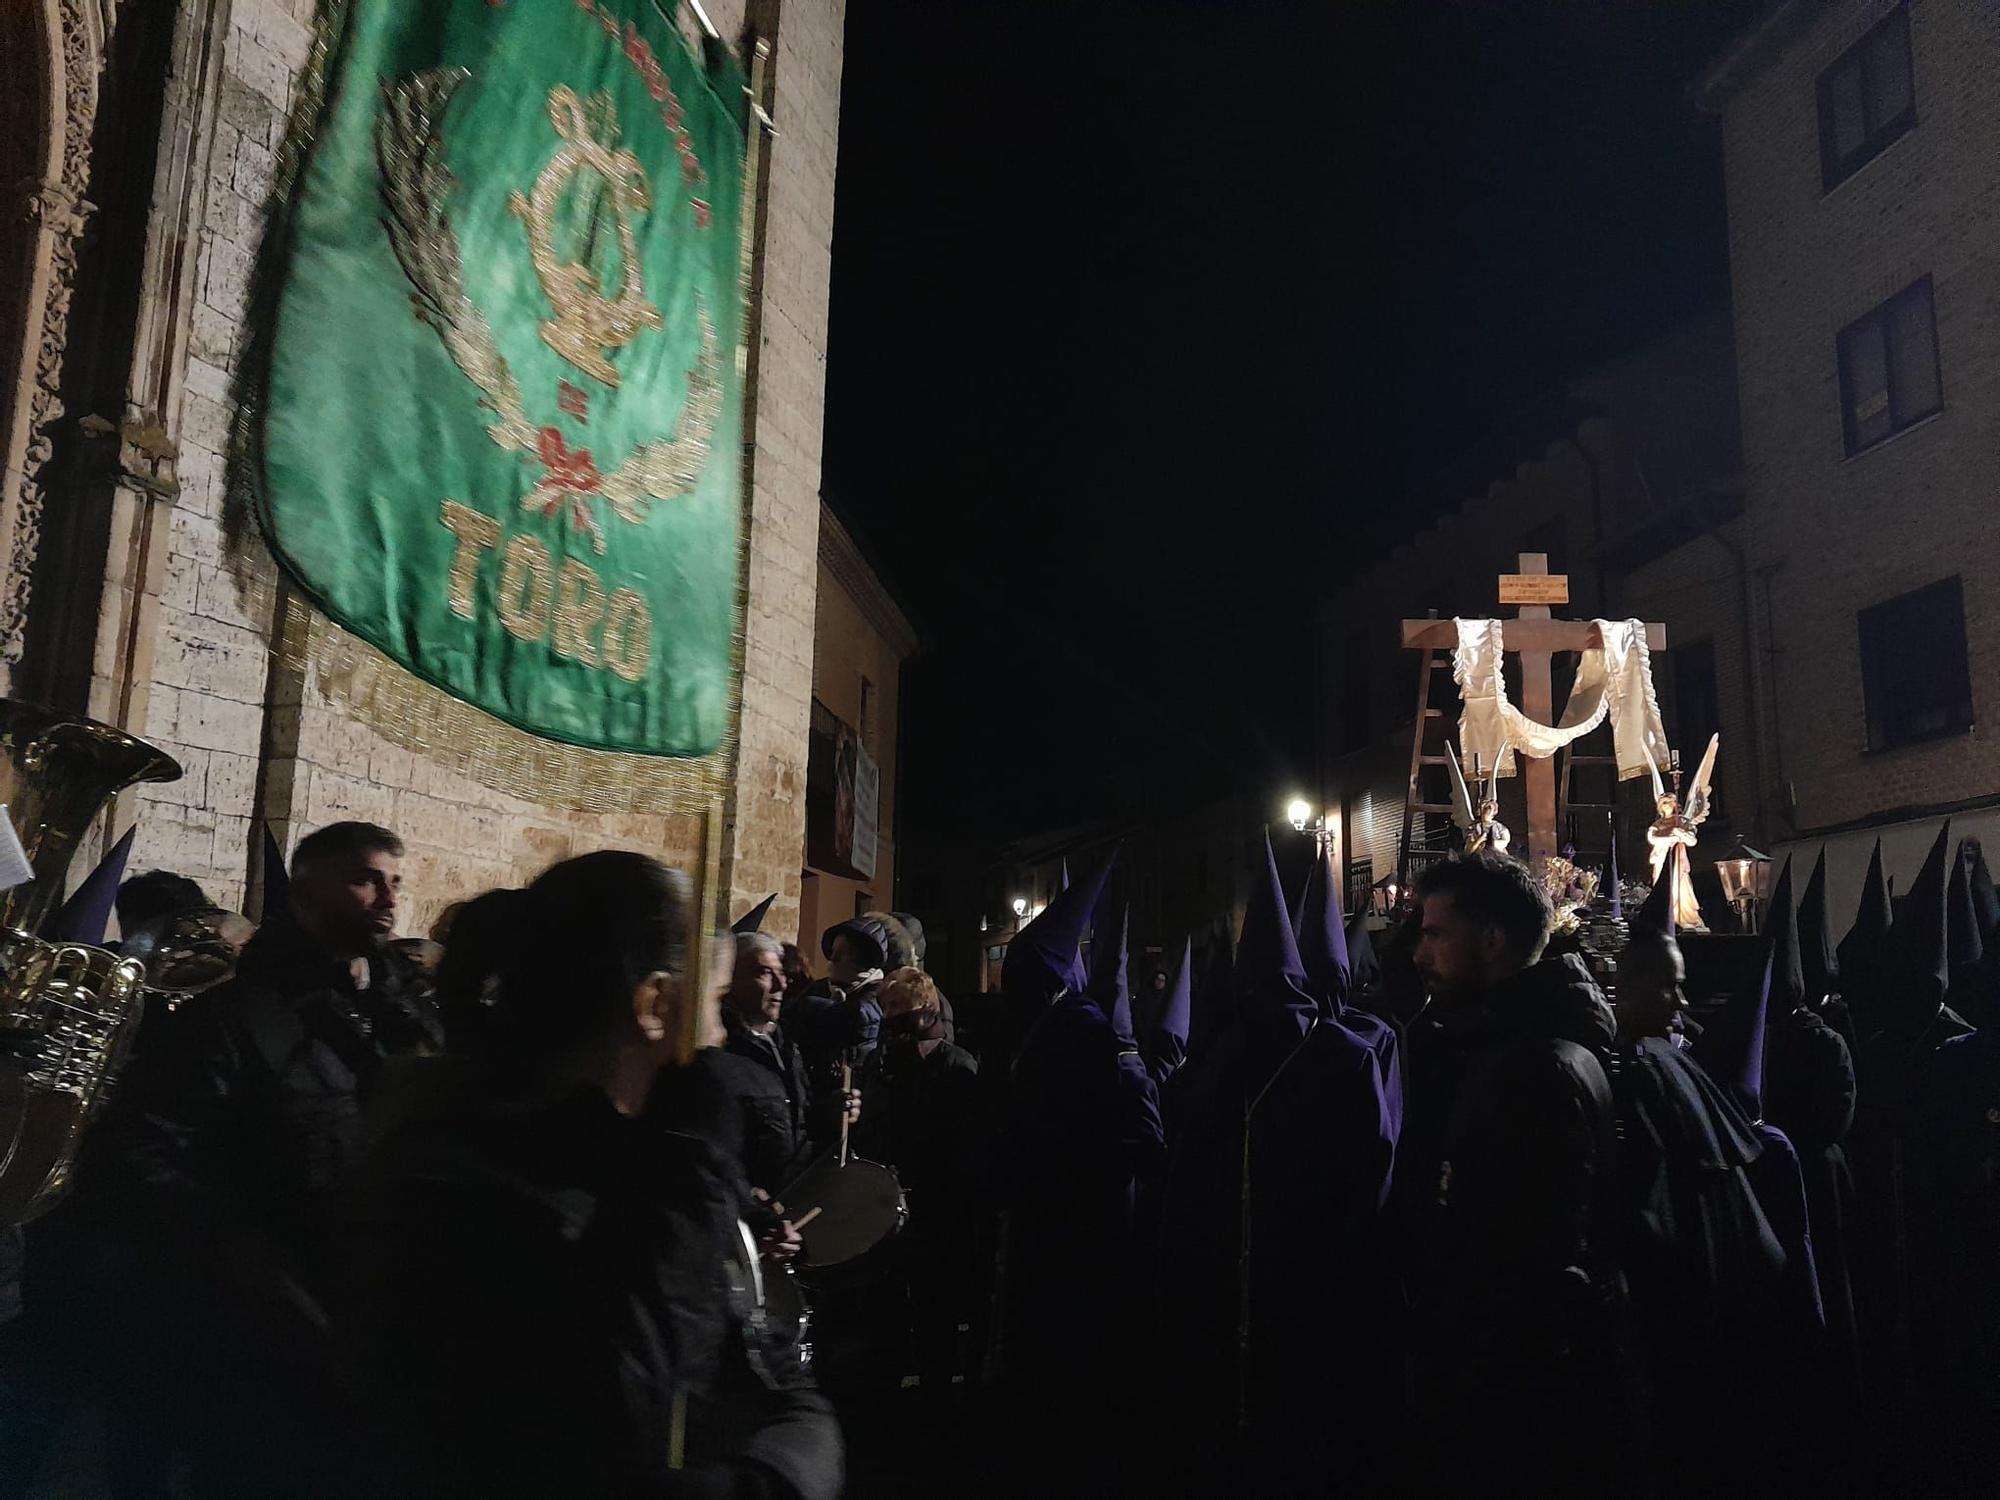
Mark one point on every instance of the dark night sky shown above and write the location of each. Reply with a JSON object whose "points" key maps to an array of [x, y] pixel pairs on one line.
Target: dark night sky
{"points": [[1149, 316]]}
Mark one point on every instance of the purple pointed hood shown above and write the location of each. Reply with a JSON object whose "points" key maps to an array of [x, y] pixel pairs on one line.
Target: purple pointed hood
{"points": [[277, 879], [1861, 951], [86, 916], [1732, 1045], [1110, 966], [1062, 874], [1657, 913], [1045, 957], [753, 919], [1985, 899], [1788, 977], [1964, 934], [1816, 957], [1364, 969], [1274, 1003], [1323, 938], [1916, 971]]}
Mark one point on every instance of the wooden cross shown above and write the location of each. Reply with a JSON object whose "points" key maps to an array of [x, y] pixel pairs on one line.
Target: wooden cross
{"points": [[1535, 636]]}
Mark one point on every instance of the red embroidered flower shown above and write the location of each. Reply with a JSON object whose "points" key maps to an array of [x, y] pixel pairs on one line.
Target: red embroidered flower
{"points": [[702, 213], [567, 470], [573, 401]]}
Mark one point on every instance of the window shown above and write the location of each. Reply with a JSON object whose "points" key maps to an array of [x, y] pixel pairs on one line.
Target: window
{"points": [[1913, 666], [1889, 368], [1866, 99]]}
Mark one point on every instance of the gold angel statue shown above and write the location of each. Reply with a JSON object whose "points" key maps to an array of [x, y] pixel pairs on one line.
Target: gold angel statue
{"points": [[1673, 832], [1480, 821]]}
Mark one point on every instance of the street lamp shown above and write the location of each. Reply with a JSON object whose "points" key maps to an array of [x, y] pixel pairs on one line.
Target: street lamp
{"points": [[1298, 812], [1742, 872], [1020, 907]]}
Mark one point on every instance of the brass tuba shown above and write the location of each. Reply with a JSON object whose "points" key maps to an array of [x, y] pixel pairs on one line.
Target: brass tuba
{"points": [[67, 1011]]}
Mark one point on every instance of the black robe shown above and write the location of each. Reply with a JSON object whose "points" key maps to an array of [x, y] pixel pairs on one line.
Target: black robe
{"points": [[1809, 1093], [1311, 1379], [1078, 1128], [1709, 1275]]}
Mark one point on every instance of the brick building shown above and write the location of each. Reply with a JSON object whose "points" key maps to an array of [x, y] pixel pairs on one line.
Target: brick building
{"points": [[1632, 487], [861, 639], [1864, 223], [137, 145]]}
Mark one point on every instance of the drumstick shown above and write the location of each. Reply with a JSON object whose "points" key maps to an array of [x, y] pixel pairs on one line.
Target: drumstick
{"points": [[846, 1083], [808, 1216]]}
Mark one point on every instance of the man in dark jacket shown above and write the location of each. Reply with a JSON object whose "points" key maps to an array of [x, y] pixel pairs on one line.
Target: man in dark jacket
{"points": [[221, 1151], [1507, 1176], [783, 1127]]}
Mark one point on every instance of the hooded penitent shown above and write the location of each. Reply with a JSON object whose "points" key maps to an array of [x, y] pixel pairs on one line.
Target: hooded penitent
{"points": [[277, 879], [1611, 882], [1965, 942], [85, 917], [1045, 957], [1364, 969], [1323, 947], [1732, 1044], [1109, 984], [1170, 1034], [1656, 913], [1915, 972], [1985, 899], [1295, 1100], [1862, 949], [753, 919], [1819, 965]]}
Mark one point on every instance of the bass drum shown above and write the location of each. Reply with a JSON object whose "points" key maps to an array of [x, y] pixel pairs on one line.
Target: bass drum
{"points": [[845, 1215]]}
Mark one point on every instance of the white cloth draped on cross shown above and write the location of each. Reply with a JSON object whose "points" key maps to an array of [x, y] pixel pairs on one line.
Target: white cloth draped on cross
{"points": [[1614, 679]]}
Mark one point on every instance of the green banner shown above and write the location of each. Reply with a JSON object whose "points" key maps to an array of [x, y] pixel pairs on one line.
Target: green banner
{"points": [[498, 429]]}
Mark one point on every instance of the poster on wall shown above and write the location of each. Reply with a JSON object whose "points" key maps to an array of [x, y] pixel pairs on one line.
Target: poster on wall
{"points": [[493, 398], [843, 798]]}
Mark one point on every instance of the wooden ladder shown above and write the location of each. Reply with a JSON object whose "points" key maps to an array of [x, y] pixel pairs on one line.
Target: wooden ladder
{"points": [[1420, 756], [1569, 813]]}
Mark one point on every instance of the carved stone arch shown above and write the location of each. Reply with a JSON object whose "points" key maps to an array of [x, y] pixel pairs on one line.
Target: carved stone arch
{"points": [[55, 48]]}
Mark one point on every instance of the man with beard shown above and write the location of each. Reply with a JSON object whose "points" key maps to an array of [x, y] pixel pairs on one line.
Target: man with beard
{"points": [[223, 1149], [1507, 1175], [923, 1119]]}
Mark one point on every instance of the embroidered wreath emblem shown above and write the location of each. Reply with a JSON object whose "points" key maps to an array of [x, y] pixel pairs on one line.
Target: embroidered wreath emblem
{"points": [[416, 186]]}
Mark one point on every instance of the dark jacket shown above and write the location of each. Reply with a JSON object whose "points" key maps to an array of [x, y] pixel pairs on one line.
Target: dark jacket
{"points": [[921, 1115], [782, 1125], [250, 1113], [830, 1026], [1508, 1178], [539, 1286]]}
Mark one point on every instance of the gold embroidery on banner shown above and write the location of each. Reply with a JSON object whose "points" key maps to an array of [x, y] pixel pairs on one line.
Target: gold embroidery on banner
{"points": [[476, 533], [416, 185], [628, 635], [524, 589], [410, 713], [587, 325], [579, 606]]}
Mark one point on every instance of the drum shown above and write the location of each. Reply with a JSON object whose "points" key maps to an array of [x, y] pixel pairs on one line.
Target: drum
{"points": [[787, 1314], [844, 1214]]}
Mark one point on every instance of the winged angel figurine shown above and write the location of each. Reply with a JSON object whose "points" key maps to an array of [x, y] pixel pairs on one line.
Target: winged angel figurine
{"points": [[1673, 832], [1481, 822]]}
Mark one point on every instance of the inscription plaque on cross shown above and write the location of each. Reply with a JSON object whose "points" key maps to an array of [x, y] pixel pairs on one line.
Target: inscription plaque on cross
{"points": [[1535, 636]]}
